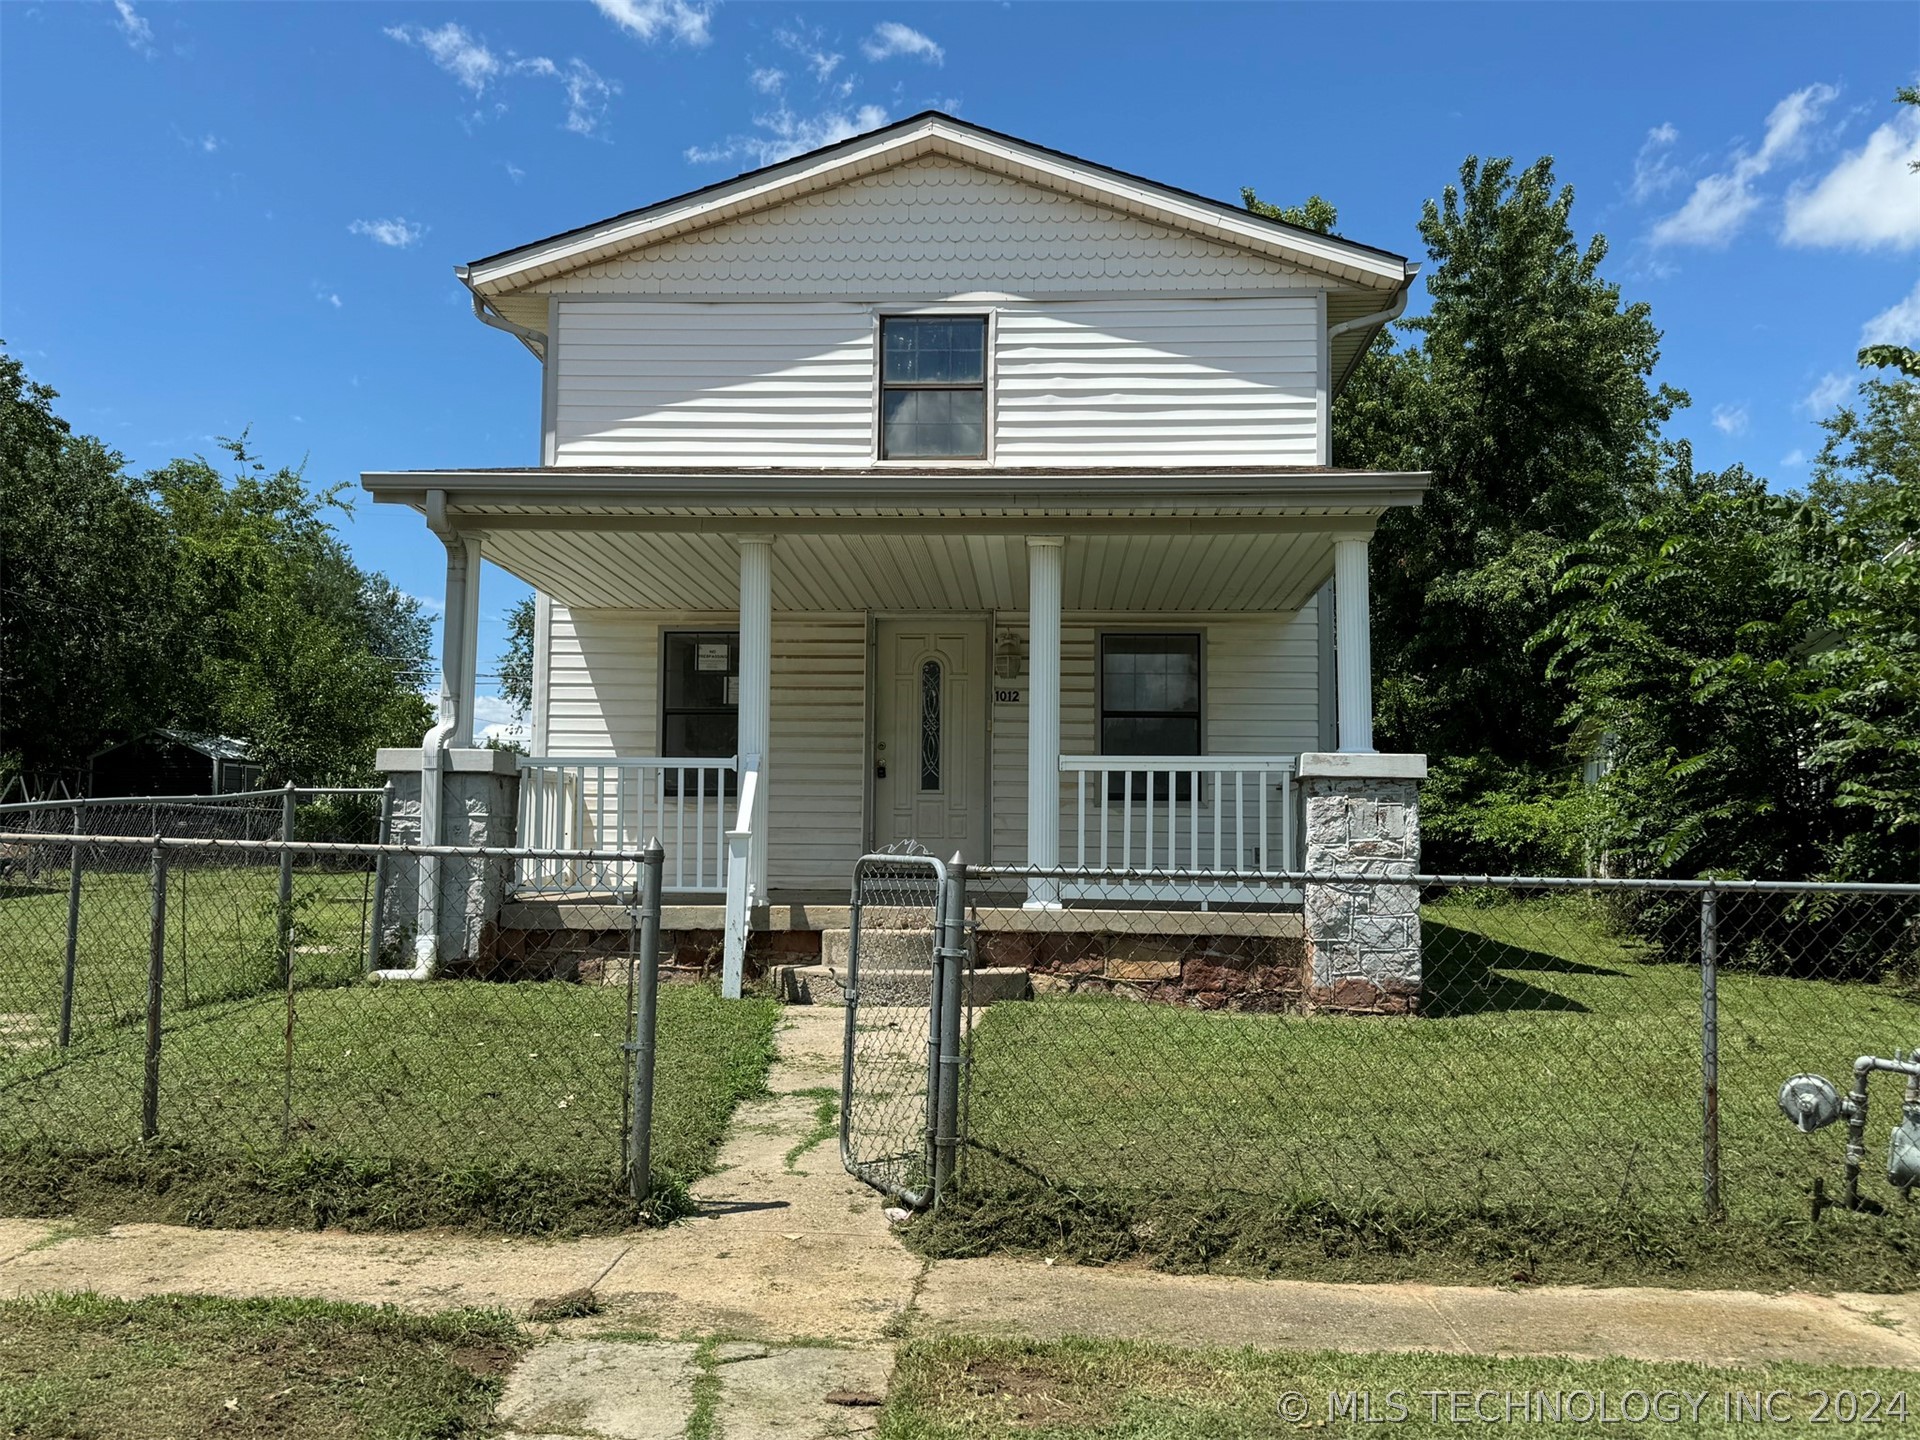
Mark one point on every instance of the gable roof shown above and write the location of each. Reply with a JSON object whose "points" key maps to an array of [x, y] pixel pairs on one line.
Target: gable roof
{"points": [[932, 132]]}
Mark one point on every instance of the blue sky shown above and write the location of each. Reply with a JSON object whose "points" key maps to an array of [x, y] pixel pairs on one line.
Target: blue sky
{"points": [[216, 215]]}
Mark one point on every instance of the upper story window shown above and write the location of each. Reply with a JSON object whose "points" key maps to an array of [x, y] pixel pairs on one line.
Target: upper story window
{"points": [[933, 387]]}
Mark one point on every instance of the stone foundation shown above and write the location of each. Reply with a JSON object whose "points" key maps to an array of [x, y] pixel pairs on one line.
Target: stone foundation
{"points": [[1206, 972], [602, 956], [1362, 817]]}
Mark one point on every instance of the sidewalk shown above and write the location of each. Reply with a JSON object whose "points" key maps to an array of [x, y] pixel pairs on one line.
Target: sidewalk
{"points": [[797, 1258]]}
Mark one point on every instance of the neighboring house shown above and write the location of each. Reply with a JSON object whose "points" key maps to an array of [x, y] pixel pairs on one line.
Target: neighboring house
{"points": [[888, 486], [173, 762]]}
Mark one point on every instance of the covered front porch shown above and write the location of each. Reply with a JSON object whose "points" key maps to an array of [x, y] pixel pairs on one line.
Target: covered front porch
{"points": [[912, 657]]}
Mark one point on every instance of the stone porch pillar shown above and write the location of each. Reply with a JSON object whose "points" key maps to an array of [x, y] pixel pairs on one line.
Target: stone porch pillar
{"points": [[1044, 567], [460, 896], [1363, 935]]}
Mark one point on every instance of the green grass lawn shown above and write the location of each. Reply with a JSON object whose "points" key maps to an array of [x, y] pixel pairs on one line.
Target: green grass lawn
{"points": [[220, 944], [341, 1101], [80, 1365], [1547, 1105], [1111, 1390]]}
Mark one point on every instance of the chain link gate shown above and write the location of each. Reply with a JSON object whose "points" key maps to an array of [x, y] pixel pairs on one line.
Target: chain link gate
{"points": [[900, 1074]]}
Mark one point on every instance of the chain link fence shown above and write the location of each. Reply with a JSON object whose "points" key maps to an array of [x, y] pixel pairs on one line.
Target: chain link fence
{"points": [[260, 1008], [1597, 1057]]}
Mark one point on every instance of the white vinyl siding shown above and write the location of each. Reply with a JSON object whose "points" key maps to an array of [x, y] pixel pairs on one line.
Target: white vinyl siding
{"points": [[604, 700], [1156, 382], [649, 383], [932, 227]]}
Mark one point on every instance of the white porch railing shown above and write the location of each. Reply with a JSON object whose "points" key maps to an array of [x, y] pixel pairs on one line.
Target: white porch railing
{"points": [[1221, 813], [620, 804], [746, 879]]}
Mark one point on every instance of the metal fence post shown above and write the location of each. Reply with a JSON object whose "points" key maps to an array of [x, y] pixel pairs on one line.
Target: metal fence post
{"points": [[1710, 1052], [379, 905], [950, 954], [288, 804], [646, 1002], [71, 969], [156, 982]]}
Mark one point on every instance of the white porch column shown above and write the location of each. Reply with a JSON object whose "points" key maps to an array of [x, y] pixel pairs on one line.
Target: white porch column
{"points": [[466, 700], [756, 689], [1353, 645], [1044, 555]]}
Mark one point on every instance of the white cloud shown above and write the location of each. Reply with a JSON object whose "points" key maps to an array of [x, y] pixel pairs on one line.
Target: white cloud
{"points": [[459, 53], [1730, 419], [820, 60], [1654, 172], [650, 19], [891, 38], [515, 173], [134, 28], [492, 710], [1721, 203], [1899, 323], [398, 233], [782, 134], [1827, 393], [327, 297], [1794, 458], [768, 80], [588, 92], [1870, 198], [471, 61]]}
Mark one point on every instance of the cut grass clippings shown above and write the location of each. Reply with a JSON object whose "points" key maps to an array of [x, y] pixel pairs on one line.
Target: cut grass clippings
{"points": [[1541, 1120], [82, 1365], [495, 1106], [1117, 1390]]}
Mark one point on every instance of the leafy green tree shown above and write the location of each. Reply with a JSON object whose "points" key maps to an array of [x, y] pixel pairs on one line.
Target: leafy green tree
{"points": [[1687, 638], [293, 647], [516, 664], [1527, 392], [1317, 214], [86, 631]]}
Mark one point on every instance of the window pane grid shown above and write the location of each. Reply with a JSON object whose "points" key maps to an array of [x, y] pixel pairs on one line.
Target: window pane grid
{"points": [[1150, 705], [933, 399]]}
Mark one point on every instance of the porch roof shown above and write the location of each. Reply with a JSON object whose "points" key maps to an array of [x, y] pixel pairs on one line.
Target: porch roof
{"points": [[1213, 540], [903, 499]]}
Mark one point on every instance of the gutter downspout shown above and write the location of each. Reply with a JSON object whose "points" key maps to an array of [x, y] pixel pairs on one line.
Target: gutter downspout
{"points": [[433, 749], [534, 340], [1380, 317]]}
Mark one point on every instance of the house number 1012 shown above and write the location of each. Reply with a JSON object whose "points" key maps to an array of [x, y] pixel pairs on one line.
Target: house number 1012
{"points": [[1006, 697]]}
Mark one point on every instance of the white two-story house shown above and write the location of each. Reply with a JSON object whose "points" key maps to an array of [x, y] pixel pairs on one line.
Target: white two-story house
{"points": [[932, 486]]}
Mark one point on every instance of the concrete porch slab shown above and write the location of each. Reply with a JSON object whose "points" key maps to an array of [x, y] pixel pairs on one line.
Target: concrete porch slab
{"points": [[600, 915]]}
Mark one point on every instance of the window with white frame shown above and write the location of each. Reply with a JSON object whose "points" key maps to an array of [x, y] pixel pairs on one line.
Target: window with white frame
{"points": [[933, 387], [1150, 697]]}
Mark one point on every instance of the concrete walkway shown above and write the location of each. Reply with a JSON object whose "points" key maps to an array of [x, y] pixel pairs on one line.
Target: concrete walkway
{"points": [[789, 1288]]}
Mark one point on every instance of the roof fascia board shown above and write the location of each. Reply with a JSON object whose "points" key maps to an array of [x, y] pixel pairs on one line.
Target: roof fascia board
{"points": [[662, 222], [548, 490]]}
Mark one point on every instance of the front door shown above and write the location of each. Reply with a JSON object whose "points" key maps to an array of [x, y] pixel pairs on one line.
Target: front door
{"points": [[930, 747]]}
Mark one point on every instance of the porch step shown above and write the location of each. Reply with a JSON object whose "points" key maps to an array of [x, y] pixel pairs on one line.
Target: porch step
{"points": [[826, 985], [880, 948]]}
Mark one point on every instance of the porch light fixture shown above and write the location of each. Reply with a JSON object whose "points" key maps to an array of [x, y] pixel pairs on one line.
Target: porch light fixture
{"points": [[1009, 656]]}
